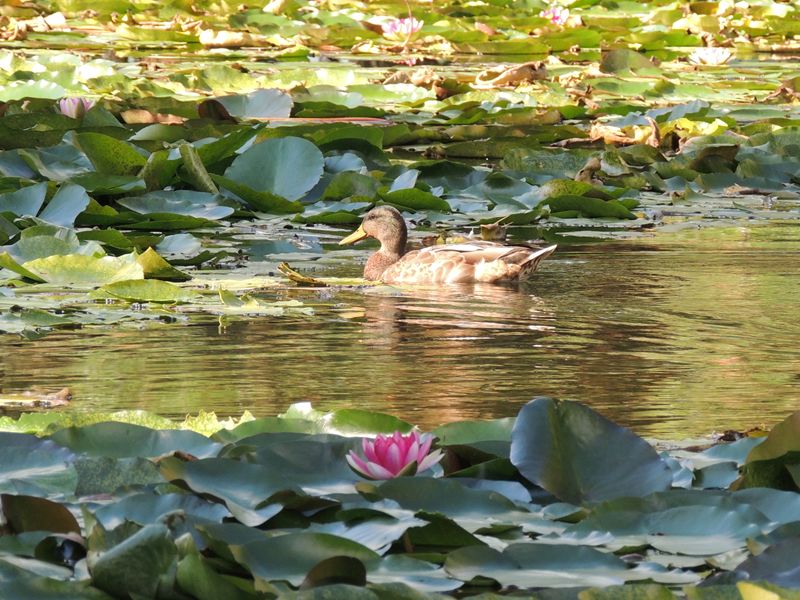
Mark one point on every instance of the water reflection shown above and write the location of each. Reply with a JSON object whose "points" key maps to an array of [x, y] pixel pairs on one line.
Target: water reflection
{"points": [[670, 340], [430, 349]]}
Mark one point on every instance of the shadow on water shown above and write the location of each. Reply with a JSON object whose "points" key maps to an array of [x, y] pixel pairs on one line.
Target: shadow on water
{"points": [[672, 340]]}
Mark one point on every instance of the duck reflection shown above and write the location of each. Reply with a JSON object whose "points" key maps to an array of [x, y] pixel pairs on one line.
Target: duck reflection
{"points": [[463, 312], [440, 350]]}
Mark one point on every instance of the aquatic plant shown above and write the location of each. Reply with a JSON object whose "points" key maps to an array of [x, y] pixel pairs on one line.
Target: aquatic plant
{"points": [[264, 502], [710, 56], [75, 107], [401, 29], [557, 15], [389, 456]]}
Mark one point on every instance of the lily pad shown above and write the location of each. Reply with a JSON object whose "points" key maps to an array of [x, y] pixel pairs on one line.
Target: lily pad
{"points": [[202, 205], [581, 457], [64, 207], [148, 290], [80, 270], [286, 167]]}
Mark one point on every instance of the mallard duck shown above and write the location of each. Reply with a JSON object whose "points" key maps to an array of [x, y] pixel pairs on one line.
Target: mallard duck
{"points": [[470, 262]]}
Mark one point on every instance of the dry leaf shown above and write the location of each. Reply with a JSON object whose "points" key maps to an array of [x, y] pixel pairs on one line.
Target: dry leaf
{"points": [[510, 76], [424, 77], [225, 39], [586, 174]]}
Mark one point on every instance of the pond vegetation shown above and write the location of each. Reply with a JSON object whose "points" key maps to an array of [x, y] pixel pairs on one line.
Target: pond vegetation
{"points": [[159, 161], [559, 497]]}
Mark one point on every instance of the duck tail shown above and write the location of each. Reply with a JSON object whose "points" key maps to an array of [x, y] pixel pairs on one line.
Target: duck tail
{"points": [[530, 264]]}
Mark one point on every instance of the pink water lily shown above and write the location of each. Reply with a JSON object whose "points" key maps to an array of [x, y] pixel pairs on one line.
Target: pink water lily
{"points": [[401, 29], [388, 456], [557, 15], [75, 107]]}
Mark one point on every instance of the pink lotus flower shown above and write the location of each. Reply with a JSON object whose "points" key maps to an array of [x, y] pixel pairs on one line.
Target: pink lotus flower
{"points": [[389, 456], [75, 107], [401, 29], [557, 15]]}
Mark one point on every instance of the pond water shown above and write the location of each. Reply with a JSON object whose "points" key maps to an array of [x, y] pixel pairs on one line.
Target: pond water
{"points": [[674, 336]]}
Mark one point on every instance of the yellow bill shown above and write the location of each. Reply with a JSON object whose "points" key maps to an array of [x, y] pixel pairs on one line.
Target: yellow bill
{"points": [[358, 234]]}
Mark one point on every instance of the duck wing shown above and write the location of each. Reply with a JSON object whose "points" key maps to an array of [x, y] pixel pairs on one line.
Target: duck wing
{"points": [[476, 261]]}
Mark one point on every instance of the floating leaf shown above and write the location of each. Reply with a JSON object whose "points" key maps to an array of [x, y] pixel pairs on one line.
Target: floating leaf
{"points": [[155, 267], [287, 167], [138, 565], [64, 207], [202, 205], [148, 290], [104, 439], [415, 199], [259, 104], [195, 171], [76, 269], [30, 461], [110, 156], [25, 202], [589, 207], [624, 61], [581, 457], [538, 565], [261, 201], [290, 557], [29, 513]]}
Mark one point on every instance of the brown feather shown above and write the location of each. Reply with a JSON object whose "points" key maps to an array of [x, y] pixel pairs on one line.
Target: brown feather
{"points": [[473, 261]]}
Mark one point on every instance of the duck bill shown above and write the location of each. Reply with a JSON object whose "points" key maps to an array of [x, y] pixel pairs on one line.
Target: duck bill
{"points": [[358, 234]]}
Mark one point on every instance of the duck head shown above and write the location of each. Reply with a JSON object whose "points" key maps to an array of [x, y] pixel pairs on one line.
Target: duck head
{"points": [[385, 224]]}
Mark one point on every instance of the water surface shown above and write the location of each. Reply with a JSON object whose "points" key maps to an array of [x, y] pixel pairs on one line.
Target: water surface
{"points": [[676, 336]]}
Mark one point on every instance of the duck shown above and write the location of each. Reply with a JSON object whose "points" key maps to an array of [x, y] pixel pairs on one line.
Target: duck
{"points": [[470, 262]]}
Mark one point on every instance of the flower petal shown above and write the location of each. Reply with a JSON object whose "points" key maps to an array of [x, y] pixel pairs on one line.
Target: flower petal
{"points": [[424, 447], [368, 446], [394, 460], [381, 446], [378, 472], [358, 464], [412, 454], [430, 460]]}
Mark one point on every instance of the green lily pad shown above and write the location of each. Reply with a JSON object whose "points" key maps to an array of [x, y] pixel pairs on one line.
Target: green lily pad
{"points": [[198, 578], [415, 199], [137, 565], [581, 457], [155, 267], [260, 201], [202, 205], [259, 104], [30, 461], [589, 207], [25, 202], [286, 167], [290, 557], [148, 290], [110, 156], [626, 62], [552, 566], [76, 269], [64, 207], [118, 440]]}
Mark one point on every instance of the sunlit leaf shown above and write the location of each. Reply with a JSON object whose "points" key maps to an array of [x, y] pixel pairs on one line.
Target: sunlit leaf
{"points": [[287, 167]]}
